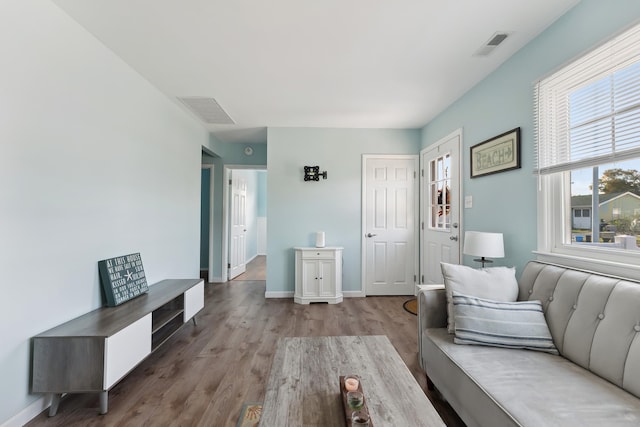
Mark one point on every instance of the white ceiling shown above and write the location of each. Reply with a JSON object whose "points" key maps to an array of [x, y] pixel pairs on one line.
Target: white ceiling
{"points": [[314, 63]]}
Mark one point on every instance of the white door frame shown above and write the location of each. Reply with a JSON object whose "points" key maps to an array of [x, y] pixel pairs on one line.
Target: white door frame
{"points": [[363, 238], [211, 168], [225, 212], [423, 219]]}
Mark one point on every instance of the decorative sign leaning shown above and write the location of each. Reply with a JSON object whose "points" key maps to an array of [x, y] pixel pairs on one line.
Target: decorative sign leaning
{"points": [[122, 278], [498, 154]]}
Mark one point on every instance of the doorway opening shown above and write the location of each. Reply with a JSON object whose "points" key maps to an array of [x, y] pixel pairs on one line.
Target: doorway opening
{"points": [[206, 216], [244, 222]]}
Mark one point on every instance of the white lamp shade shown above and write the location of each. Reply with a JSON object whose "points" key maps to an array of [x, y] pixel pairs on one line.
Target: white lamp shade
{"points": [[478, 243]]}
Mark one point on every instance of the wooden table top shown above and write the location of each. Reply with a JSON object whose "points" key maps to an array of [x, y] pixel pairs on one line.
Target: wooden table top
{"points": [[107, 321], [304, 383]]}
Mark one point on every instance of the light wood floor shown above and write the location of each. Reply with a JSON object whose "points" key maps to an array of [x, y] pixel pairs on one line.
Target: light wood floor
{"points": [[256, 270], [204, 374]]}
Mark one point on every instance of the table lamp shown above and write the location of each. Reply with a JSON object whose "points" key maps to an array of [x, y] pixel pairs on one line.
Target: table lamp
{"points": [[478, 243]]}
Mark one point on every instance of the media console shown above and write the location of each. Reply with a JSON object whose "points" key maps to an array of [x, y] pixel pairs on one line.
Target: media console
{"points": [[91, 353]]}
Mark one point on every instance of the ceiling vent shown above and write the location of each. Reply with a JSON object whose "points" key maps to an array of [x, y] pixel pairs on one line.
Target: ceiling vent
{"points": [[208, 110], [493, 42]]}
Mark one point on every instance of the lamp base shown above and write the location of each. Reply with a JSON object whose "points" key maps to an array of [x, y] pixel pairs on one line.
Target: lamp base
{"points": [[483, 260]]}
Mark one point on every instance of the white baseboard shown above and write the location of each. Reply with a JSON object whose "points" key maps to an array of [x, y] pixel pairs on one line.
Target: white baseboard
{"points": [[353, 294], [289, 294], [28, 413], [279, 294], [218, 279]]}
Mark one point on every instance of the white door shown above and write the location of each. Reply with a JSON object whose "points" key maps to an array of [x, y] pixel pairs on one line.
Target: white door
{"points": [[440, 206], [237, 242], [389, 224]]}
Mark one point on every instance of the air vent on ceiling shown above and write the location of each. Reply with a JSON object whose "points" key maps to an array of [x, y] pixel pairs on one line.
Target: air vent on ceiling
{"points": [[493, 42], [207, 109]]}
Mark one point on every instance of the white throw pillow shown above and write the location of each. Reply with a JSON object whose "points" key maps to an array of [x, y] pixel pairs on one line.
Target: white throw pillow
{"points": [[519, 324], [495, 283]]}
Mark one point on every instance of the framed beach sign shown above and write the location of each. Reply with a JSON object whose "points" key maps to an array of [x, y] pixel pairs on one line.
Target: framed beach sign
{"points": [[498, 154]]}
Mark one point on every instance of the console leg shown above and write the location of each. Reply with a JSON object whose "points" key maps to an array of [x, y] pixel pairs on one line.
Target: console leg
{"points": [[104, 402], [195, 322], [55, 401]]}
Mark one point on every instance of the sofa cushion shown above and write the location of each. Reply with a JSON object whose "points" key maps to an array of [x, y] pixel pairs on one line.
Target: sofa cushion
{"points": [[506, 387], [519, 324], [496, 283], [594, 319]]}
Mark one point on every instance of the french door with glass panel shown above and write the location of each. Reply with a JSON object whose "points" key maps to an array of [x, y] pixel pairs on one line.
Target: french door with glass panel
{"points": [[440, 207]]}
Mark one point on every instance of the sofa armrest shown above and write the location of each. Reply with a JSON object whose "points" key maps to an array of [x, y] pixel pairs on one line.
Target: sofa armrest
{"points": [[432, 307], [432, 311]]}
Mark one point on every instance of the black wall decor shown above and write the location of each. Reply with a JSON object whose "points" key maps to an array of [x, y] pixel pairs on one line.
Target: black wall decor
{"points": [[122, 278], [312, 173]]}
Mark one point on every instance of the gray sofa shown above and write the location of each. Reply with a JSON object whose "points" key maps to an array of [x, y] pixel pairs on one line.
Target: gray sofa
{"points": [[595, 324]]}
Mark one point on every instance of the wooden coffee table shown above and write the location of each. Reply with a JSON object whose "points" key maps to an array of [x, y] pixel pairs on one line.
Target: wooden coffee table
{"points": [[304, 384]]}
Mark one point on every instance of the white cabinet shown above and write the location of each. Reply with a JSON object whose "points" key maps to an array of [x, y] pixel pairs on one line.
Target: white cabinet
{"points": [[318, 275]]}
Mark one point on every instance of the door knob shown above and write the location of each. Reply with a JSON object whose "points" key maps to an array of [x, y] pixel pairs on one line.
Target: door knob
{"points": [[371, 235], [454, 225], [453, 238]]}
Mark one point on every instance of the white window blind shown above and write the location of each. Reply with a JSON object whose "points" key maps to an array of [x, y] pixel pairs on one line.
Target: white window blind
{"points": [[588, 113]]}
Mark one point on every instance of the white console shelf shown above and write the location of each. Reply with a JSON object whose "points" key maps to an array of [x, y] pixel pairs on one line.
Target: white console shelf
{"points": [[93, 352]]}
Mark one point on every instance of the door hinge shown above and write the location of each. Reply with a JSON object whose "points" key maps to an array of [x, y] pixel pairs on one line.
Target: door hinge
{"points": [[422, 173], [422, 225], [414, 278], [422, 279], [229, 265]]}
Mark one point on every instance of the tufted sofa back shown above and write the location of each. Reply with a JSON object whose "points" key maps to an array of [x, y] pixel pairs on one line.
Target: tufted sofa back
{"points": [[594, 319]]}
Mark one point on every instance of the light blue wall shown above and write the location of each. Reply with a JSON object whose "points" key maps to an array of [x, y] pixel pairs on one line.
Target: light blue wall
{"points": [[262, 194], [506, 202], [297, 209]]}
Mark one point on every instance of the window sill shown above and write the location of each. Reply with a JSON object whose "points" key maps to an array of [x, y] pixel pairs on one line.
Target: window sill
{"points": [[625, 268]]}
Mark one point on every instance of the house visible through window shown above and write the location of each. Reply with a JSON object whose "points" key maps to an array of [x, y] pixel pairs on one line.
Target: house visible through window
{"points": [[588, 151]]}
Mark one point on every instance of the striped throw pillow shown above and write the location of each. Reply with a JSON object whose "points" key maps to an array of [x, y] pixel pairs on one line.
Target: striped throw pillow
{"points": [[519, 324]]}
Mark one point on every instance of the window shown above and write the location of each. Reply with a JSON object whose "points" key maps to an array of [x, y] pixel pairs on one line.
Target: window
{"points": [[580, 213], [440, 183], [588, 154]]}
